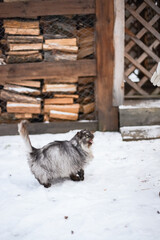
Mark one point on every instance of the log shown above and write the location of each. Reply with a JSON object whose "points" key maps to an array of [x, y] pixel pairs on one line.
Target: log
{"points": [[58, 56], [58, 101], [23, 115], [7, 117], [15, 97], [88, 108], [89, 87], [0, 110], [84, 52], [62, 42], [62, 79], [16, 0], [23, 46], [84, 100], [63, 115], [70, 49], [22, 31], [21, 52], [20, 24], [15, 107], [75, 96], [72, 108], [59, 88], [34, 84], [19, 89], [37, 57], [25, 39]]}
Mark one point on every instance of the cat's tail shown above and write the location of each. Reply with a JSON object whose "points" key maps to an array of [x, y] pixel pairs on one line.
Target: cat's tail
{"points": [[22, 129]]}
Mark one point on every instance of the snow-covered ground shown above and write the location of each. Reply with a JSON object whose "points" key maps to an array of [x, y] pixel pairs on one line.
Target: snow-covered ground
{"points": [[118, 200]]}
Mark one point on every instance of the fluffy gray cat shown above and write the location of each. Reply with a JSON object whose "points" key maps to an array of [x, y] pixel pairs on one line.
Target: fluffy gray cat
{"points": [[58, 159]]}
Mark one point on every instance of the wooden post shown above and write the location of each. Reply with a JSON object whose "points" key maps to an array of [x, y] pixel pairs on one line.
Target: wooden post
{"points": [[107, 114]]}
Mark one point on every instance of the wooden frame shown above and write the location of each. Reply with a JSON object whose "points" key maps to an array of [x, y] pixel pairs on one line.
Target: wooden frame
{"points": [[103, 67]]}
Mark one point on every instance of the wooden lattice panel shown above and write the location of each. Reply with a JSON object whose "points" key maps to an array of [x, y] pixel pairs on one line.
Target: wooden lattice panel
{"points": [[142, 47]]}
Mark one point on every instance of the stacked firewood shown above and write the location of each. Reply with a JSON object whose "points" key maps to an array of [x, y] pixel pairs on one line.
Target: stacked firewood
{"points": [[24, 41], [60, 102], [86, 99], [60, 42], [21, 100]]}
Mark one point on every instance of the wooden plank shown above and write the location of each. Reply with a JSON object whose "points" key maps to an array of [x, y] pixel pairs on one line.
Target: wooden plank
{"points": [[63, 115], [23, 31], [118, 84], [52, 128], [72, 108], [70, 88], [21, 52], [35, 84], [20, 89], [58, 101], [70, 49], [85, 67], [66, 96], [25, 39], [15, 107], [15, 97], [140, 133], [20, 24], [23, 46], [45, 7], [62, 42], [107, 115]]}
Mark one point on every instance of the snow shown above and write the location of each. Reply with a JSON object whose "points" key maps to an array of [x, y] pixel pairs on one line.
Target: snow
{"points": [[119, 198], [63, 113], [13, 104]]}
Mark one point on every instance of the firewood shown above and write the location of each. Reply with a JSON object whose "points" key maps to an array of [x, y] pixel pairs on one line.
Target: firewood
{"points": [[23, 115], [22, 31], [16, 0], [23, 46], [19, 89], [0, 110], [88, 108], [84, 52], [6, 117], [62, 42], [75, 96], [63, 115], [71, 79], [15, 107], [71, 49], [85, 80], [88, 116], [72, 108], [21, 24], [22, 52], [89, 87], [50, 56], [59, 88], [15, 97], [37, 57], [25, 39], [58, 101], [84, 100], [46, 117], [34, 84]]}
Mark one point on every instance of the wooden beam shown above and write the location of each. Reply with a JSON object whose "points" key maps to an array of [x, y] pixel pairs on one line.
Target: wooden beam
{"points": [[9, 73], [45, 7], [107, 114]]}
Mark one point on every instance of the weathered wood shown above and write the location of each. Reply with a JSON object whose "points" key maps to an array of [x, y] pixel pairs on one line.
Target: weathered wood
{"points": [[51, 56], [69, 49], [118, 83], [88, 108], [36, 57], [20, 89], [72, 108], [20, 24], [85, 51], [25, 39], [86, 67], [66, 96], [62, 79], [14, 107], [34, 84], [54, 127], [140, 133], [23, 46], [153, 6], [22, 31], [63, 115], [70, 88], [58, 101], [15, 97], [36, 8], [107, 115]]}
